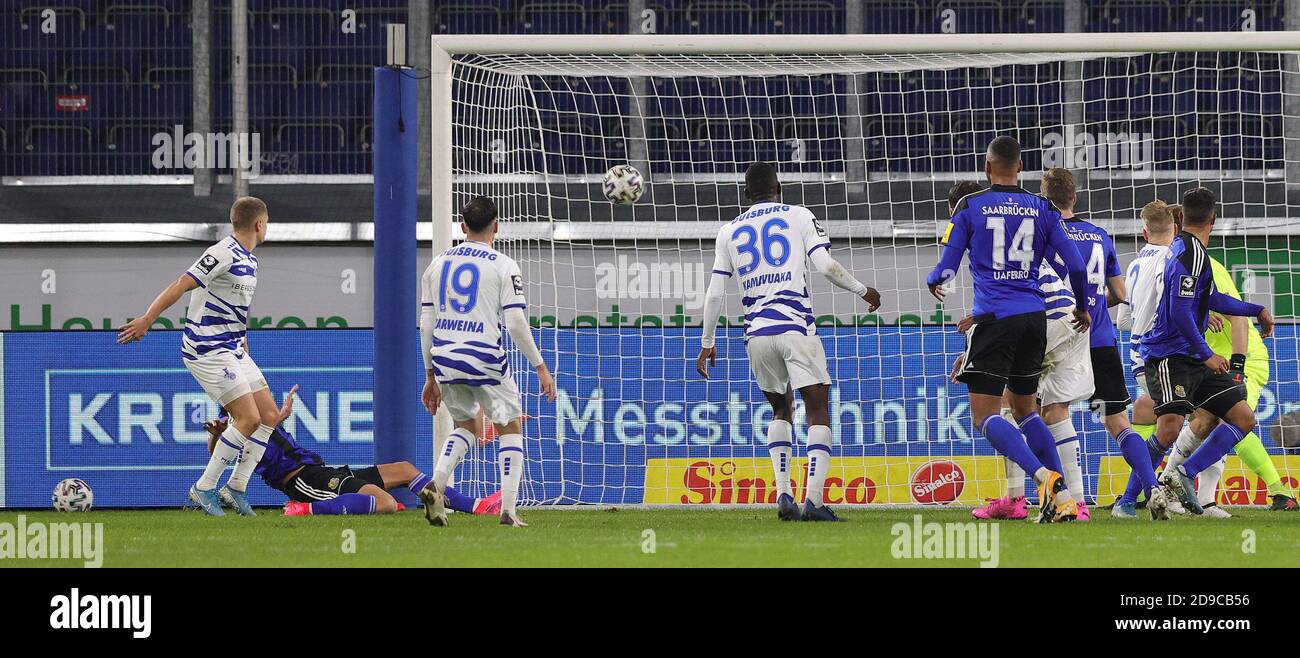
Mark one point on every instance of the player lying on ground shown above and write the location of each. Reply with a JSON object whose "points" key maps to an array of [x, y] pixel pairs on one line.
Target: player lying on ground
{"points": [[467, 294], [1180, 383], [316, 489], [214, 348], [767, 247], [1239, 342], [1008, 232]]}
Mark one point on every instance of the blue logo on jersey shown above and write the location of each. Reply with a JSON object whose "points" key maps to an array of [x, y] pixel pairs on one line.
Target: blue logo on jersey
{"points": [[229, 375]]}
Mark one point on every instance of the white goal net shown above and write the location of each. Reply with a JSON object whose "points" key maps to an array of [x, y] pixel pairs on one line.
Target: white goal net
{"points": [[871, 143]]}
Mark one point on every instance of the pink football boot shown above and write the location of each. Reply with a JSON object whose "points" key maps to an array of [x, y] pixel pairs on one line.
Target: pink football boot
{"points": [[1084, 514], [1003, 508], [489, 505], [293, 508]]}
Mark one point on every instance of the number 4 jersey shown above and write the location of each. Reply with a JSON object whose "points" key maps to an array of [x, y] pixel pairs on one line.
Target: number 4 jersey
{"points": [[471, 285]]}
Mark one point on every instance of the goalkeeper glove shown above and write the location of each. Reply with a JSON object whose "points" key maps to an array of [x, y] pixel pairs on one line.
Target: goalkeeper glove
{"points": [[1237, 368]]}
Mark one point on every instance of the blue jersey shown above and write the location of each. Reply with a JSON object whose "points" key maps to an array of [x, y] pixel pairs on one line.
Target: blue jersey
{"points": [[1187, 297], [1097, 250], [1008, 232], [283, 456]]}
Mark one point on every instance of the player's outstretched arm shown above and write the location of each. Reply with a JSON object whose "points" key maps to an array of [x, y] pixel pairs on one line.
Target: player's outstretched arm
{"points": [[834, 272], [517, 324], [137, 328], [1229, 305]]}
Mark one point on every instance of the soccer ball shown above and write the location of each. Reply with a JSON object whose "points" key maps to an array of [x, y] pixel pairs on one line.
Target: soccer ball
{"points": [[623, 185], [73, 495]]}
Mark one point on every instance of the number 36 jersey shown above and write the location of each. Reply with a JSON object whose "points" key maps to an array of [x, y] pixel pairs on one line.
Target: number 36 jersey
{"points": [[767, 248], [470, 286]]}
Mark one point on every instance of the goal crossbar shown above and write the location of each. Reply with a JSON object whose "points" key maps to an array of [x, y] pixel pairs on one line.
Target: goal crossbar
{"points": [[866, 44]]}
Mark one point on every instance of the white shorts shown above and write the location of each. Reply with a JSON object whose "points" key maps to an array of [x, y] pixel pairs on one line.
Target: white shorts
{"points": [[1067, 365], [500, 403], [787, 359], [1138, 367], [226, 377]]}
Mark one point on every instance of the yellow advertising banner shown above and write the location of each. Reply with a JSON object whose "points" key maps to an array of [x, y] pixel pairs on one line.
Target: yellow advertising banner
{"points": [[1239, 485], [851, 481]]}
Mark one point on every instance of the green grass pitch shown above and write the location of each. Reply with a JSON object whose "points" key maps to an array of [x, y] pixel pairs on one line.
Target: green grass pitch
{"points": [[682, 538]]}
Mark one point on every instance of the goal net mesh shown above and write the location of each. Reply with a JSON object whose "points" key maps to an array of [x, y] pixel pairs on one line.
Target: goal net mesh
{"points": [[871, 144]]}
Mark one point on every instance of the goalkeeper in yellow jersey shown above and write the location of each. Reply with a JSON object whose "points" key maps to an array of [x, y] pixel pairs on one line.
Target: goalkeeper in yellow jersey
{"points": [[1239, 341]]}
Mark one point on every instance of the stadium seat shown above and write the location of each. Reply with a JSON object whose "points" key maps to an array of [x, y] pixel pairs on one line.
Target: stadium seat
{"points": [[719, 17], [1038, 16], [804, 17], [897, 17], [152, 24], [466, 18], [554, 18], [974, 16], [1131, 16]]}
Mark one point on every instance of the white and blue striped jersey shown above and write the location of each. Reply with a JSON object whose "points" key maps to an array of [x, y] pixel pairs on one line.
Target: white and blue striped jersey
{"points": [[217, 318], [1145, 281], [471, 285], [767, 248], [1057, 296]]}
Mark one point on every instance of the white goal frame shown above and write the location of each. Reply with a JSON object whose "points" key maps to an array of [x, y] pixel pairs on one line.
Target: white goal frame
{"points": [[1083, 45]]}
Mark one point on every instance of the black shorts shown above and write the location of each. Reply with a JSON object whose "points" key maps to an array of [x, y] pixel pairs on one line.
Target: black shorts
{"points": [[1180, 384], [1005, 353], [318, 482], [1109, 387]]}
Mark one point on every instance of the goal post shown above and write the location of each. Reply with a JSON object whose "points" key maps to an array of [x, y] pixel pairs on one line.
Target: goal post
{"points": [[615, 292]]}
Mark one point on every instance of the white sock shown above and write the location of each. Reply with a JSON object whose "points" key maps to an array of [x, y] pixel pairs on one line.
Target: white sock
{"points": [[1183, 448], [779, 432], [226, 452], [510, 458], [1067, 449], [453, 450], [254, 448], [1015, 479], [819, 462], [1207, 481]]}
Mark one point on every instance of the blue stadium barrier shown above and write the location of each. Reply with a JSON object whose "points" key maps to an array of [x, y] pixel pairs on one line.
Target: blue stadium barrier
{"points": [[129, 419]]}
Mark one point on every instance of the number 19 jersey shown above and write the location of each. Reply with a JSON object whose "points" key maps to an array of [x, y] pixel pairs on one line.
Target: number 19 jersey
{"points": [[471, 285], [767, 248]]}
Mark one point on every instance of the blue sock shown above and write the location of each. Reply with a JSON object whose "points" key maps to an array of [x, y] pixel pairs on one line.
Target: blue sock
{"points": [[1131, 491], [419, 482], [1218, 444], [1007, 440], [458, 501], [1041, 441], [1138, 456], [352, 503]]}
